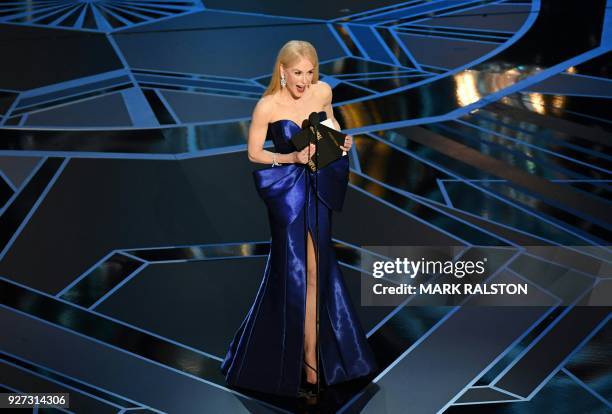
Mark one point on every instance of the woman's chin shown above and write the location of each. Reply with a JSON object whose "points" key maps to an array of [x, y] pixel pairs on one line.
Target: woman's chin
{"points": [[296, 92]]}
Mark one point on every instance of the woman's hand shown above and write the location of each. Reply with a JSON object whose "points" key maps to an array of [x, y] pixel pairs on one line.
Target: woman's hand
{"points": [[302, 157], [348, 143]]}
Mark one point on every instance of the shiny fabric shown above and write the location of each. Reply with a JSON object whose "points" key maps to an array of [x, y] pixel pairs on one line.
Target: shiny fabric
{"points": [[267, 351]]}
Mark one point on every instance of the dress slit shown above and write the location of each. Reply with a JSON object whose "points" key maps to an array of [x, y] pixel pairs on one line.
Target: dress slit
{"points": [[316, 299], [313, 202]]}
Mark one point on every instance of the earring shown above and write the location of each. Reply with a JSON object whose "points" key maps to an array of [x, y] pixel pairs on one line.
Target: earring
{"points": [[283, 81]]}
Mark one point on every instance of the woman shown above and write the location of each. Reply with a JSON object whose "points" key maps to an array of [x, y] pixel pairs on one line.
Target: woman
{"points": [[276, 344]]}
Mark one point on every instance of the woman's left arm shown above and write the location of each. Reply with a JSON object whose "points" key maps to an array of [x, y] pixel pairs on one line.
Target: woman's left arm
{"points": [[329, 111]]}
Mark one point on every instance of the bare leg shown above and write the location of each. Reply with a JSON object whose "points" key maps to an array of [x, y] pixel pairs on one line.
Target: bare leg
{"points": [[310, 333]]}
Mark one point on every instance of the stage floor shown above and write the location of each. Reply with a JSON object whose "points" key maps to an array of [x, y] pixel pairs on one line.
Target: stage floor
{"points": [[132, 240]]}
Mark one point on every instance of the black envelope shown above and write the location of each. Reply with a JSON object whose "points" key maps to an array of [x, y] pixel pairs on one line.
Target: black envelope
{"points": [[329, 141]]}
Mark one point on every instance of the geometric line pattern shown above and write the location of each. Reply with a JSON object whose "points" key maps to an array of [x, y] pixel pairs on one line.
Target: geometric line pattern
{"points": [[94, 15], [453, 138]]}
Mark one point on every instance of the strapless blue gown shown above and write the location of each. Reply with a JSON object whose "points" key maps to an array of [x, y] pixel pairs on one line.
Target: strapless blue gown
{"points": [[267, 351]]}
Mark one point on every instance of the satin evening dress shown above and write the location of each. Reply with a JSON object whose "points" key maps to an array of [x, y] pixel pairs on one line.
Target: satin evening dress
{"points": [[267, 351]]}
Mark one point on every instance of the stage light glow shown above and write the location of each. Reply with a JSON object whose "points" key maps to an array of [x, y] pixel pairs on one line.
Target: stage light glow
{"points": [[466, 90]]}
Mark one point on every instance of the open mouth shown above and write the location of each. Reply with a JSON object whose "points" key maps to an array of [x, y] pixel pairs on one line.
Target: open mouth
{"points": [[300, 89]]}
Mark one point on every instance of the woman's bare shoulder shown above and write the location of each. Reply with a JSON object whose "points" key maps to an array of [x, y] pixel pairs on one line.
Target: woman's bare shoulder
{"points": [[323, 86], [264, 108], [324, 91]]}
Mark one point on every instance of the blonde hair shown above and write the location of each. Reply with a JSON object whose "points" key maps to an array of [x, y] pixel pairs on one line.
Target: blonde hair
{"points": [[288, 55]]}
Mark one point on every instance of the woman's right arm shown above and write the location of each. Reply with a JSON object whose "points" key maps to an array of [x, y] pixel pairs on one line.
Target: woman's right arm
{"points": [[257, 137]]}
